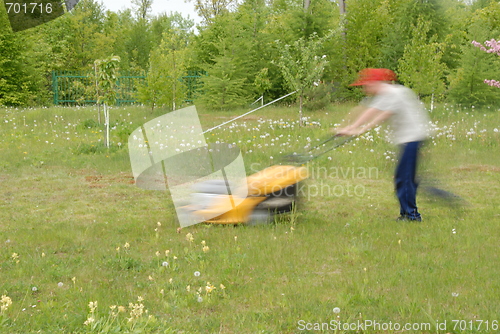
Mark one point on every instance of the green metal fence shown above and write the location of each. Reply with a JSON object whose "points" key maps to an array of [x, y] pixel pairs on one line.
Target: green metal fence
{"points": [[76, 87]]}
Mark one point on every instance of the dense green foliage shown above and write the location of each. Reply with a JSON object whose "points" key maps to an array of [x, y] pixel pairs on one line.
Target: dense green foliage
{"points": [[428, 43]]}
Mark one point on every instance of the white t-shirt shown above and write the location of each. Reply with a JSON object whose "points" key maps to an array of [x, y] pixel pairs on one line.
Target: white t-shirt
{"points": [[409, 119]]}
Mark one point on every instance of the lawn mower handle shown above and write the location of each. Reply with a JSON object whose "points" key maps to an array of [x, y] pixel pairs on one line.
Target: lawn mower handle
{"points": [[307, 156]]}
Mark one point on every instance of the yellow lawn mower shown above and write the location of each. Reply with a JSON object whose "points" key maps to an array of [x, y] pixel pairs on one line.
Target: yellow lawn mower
{"points": [[269, 192]]}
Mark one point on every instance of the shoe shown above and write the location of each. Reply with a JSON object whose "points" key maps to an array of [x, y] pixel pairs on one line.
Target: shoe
{"points": [[405, 218]]}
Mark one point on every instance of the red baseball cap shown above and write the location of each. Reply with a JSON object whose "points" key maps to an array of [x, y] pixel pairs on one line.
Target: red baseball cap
{"points": [[374, 74]]}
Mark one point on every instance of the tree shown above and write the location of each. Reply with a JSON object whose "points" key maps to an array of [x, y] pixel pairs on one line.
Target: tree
{"points": [[289, 20], [86, 40], [139, 45], [107, 74], [173, 47], [467, 81], [493, 47], [167, 66], [225, 85], [262, 82], [301, 64], [21, 78], [403, 17], [364, 27], [152, 91], [142, 8], [164, 23], [420, 67], [231, 51], [210, 9]]}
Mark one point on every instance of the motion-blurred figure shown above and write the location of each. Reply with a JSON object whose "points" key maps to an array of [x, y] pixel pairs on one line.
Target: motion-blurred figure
{"points": [[409, 120]]}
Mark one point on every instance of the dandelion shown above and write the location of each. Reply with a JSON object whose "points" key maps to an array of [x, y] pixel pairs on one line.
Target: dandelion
{"points": [[164, 264], [60, 284], [209, 288], [15, 257], [136, 310], [112, 309], [454, 294], [197, 274], [92, 306], [336, 310], [34, 289], [200, 299], [5, 303]]}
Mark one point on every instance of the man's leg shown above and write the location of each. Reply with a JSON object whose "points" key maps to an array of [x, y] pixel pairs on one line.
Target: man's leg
{"points": [[405, 180]]}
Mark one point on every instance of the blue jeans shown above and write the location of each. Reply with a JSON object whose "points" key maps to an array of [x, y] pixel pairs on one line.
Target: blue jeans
{"points": [[405, 180]]}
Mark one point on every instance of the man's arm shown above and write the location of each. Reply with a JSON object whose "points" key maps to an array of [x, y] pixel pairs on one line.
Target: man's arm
{"points": [[371, 118]]}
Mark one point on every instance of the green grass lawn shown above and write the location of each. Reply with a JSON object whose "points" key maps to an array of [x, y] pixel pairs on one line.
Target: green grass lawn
{"points": [[83, 250]]}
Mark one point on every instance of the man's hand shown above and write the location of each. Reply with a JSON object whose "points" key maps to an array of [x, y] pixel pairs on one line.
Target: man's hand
{"points": [[348, 131]]}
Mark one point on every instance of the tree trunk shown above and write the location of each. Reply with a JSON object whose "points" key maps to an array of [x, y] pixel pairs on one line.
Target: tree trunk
{"points": [[97, 94], [174, 81], [342, 7], [99, 113], [106, 120], [301, 123]]}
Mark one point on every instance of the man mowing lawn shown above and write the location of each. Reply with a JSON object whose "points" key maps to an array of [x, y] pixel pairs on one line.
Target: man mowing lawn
{"points": [[409, 120]]}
